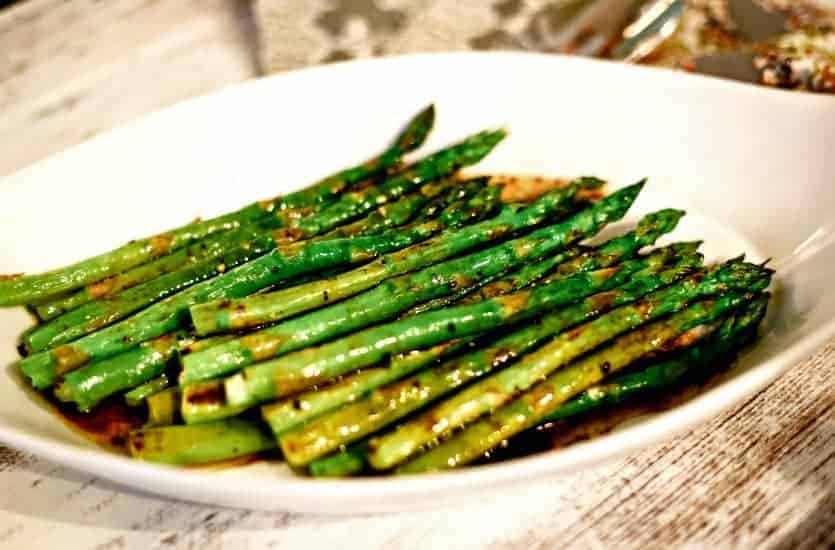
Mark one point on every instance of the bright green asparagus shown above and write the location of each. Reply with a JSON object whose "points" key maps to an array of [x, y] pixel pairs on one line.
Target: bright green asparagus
{"points": [[282, 263], [476, 400], [284, 415], [349, 206], [395, 295], [303, 369], [734, 334], [257, 310], [138, 395], [201, 443], [15, 290], [681, 330], [392, 402]]}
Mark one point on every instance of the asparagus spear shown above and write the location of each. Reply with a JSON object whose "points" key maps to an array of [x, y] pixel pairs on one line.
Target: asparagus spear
{"points": [[258, 310], [208, 248], [392, 402], [87, 386], [443, 163], [497, 389], [395, 214], [300, 370], [139, 394], [17, 290], [95, 315], [285, 415], [282, 263], [293, 411], [200, 443], [735, 333], [204, 402], [680, 330], [395, 295], [164, 407]]}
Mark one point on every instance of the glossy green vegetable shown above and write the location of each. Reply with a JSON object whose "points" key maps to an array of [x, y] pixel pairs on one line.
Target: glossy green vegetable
{"points": [[475, 400], [350, 206], [735, 333], [545, 397], [303, 369], [396, 295], [138, 395], [171, 313], [253, 311], [288, 413], [200, 443], [394, 401], [16, 290]]}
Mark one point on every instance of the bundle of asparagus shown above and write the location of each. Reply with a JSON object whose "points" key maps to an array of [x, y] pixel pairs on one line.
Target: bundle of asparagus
{"points": [[390, 318]]}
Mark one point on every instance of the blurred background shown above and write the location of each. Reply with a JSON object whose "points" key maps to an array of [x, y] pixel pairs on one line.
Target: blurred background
{"points": [[70, 69]]}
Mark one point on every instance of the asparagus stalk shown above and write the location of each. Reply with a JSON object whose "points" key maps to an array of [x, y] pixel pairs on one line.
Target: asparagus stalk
{"points": [[16, 290], [441, 164], [204, 402], [289, 413], [294, 411], [164, 407], [208, 248], [735, 333], [258, 310], [95, 315], [138, 395], [390, 403], [303, 369], [395, 214], [202, 443], [396, 295], [285, 262], [89, 385], [497, 389], [86, 387], [680, 330]]}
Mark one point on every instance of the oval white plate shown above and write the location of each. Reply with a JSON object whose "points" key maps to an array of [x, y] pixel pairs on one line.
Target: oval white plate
{"points": [[753, 166]]}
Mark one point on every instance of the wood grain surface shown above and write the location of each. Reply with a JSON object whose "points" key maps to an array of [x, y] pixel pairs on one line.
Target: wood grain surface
{"points": [[760, 476]]}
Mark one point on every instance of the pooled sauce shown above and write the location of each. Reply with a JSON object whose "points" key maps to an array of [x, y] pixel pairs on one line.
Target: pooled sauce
{"points": [[108, 425], [563, 433]]}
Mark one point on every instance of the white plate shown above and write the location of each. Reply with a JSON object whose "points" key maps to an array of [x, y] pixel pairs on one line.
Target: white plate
{"points": [[753, 166]]}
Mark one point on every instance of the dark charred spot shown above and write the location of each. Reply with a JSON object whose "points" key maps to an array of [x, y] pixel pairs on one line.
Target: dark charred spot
{"points": [[605, 368], [118, 440], [297, 404], [325, 296], [416, 384], [208, 395], [603, 300], [126, 339], [451, 327], [21, 350], [138, 441], [574, 334], [240, 308], [223, 304]]}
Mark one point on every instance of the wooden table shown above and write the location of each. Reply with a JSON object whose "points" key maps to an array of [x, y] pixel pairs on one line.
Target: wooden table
{"points": [[760, 476]]}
